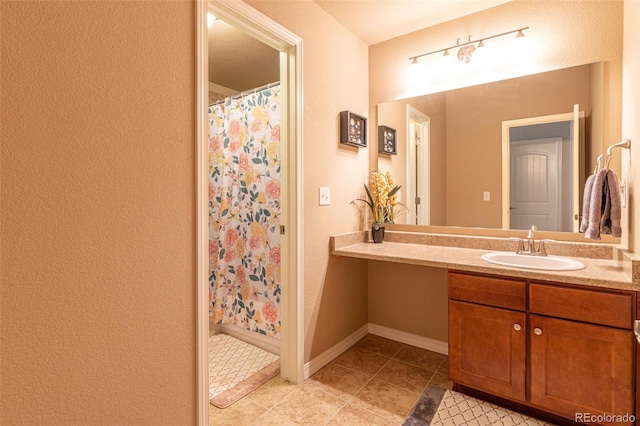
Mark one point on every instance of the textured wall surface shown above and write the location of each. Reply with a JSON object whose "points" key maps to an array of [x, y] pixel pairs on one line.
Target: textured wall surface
{"points": [[335, 79], [630, 124], [98, 222]]}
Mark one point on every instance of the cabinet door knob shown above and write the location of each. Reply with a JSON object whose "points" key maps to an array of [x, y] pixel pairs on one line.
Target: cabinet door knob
{"points": [[537, 331], [517, 327]]}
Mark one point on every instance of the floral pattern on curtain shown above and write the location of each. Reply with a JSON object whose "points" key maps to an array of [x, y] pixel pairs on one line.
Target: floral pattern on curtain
{"points": [[244, 212]]}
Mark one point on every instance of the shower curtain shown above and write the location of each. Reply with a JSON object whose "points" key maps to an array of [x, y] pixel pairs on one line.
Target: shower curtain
{"points": [[244, 211]]}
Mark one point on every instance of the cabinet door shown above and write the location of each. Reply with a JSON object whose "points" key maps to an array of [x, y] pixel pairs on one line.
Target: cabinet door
{"points": [[487, 348], [581, 369]]}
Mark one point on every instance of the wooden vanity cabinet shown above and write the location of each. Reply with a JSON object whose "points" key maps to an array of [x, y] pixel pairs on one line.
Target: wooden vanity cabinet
{"points": [[556, 348], [581, 348], [487, 334], [637, 318]]}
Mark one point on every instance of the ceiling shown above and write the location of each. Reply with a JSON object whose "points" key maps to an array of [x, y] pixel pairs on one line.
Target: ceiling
{"points": [[394, 18], [239, 62]]}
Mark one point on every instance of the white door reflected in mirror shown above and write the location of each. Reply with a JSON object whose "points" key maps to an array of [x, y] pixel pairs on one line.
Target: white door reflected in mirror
{"points": [[541, 172]]}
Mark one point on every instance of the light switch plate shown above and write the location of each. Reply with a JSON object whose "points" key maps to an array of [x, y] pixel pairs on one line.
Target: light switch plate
{"points": [[486, 196], [324, 196]]}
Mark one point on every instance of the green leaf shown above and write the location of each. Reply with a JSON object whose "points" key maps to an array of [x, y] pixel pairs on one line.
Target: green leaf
{"points": [[254, 277], [365, 201], [369, 196], [394, 190]]}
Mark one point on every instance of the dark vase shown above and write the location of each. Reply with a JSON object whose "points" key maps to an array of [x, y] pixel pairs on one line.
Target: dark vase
{"points": [[377, 232]]}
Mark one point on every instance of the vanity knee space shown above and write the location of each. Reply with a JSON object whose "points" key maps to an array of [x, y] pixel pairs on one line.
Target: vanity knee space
{"points": [[556, 348]]}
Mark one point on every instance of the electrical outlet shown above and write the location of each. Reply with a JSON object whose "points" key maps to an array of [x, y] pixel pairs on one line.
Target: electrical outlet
{"points": [[324, 196], [486, 196]]}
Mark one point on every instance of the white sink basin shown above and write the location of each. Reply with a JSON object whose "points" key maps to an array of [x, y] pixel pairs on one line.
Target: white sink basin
{"points": [[546, 263]]}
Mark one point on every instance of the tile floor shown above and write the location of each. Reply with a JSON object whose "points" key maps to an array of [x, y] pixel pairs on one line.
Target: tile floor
{"points": [[376, 382]]}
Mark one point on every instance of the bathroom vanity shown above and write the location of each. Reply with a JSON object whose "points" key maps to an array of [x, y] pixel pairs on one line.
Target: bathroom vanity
{"points": [[555, 347], [558, 344]]}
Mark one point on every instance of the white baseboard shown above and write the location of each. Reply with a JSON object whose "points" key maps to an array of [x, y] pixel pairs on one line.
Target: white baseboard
{"points": [[336, 350], [333, 352], [410, 339], [266, 343]]}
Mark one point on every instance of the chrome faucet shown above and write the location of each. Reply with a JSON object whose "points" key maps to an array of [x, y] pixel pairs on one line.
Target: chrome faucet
{"points": [[528, 246], [531, 242]]}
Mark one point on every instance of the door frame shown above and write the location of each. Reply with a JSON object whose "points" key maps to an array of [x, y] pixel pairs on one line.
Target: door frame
{"points": [[421, 174], [273, 34], [577, 171]]}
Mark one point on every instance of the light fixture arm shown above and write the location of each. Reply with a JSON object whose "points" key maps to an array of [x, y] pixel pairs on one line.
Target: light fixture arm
{"points": [[414, 58]]}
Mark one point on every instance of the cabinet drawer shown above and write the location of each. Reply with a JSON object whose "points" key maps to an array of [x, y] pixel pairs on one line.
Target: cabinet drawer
{"points": [[490, 291], [597, 307]]}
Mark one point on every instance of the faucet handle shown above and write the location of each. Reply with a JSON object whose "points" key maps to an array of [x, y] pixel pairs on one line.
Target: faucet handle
{"points": [[542, 249], [520, 247]]}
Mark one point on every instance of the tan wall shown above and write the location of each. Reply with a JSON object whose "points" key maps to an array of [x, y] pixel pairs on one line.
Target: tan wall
{"points": [[409, 298], [98, 219], [630, 124], [335, 79]]}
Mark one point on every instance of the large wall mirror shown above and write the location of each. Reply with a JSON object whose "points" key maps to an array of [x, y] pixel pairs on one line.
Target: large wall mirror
{"points": [[451, 148]]}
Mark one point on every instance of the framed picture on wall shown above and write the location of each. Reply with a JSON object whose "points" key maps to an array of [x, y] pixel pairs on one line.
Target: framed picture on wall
{"points": [[353, 129], [386, 140]]}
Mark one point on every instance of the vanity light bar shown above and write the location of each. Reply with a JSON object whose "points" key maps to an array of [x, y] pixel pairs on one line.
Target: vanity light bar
{"points": [[519, 32]]}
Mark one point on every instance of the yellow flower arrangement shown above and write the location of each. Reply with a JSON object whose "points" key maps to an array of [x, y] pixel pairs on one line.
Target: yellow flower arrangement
{"points": [[382, 198]]}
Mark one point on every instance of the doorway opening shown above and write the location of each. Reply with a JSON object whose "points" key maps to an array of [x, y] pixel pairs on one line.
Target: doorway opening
{"points": [[243, 17]]}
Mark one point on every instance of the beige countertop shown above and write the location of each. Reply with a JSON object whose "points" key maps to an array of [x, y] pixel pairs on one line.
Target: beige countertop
{"points": [[603, 273]]}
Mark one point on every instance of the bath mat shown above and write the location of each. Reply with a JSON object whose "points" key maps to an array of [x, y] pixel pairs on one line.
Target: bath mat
{"points": [[438, 406], [236, 368]]}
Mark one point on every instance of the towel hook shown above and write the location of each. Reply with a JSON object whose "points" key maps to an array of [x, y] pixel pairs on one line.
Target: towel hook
{"points": [[623, 144], [599, 163]]}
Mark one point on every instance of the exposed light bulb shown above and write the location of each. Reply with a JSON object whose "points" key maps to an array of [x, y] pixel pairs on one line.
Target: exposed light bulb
{"points": [[483, 56], [449, 62], [416, 73], [211, 18], [520, 48]]}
